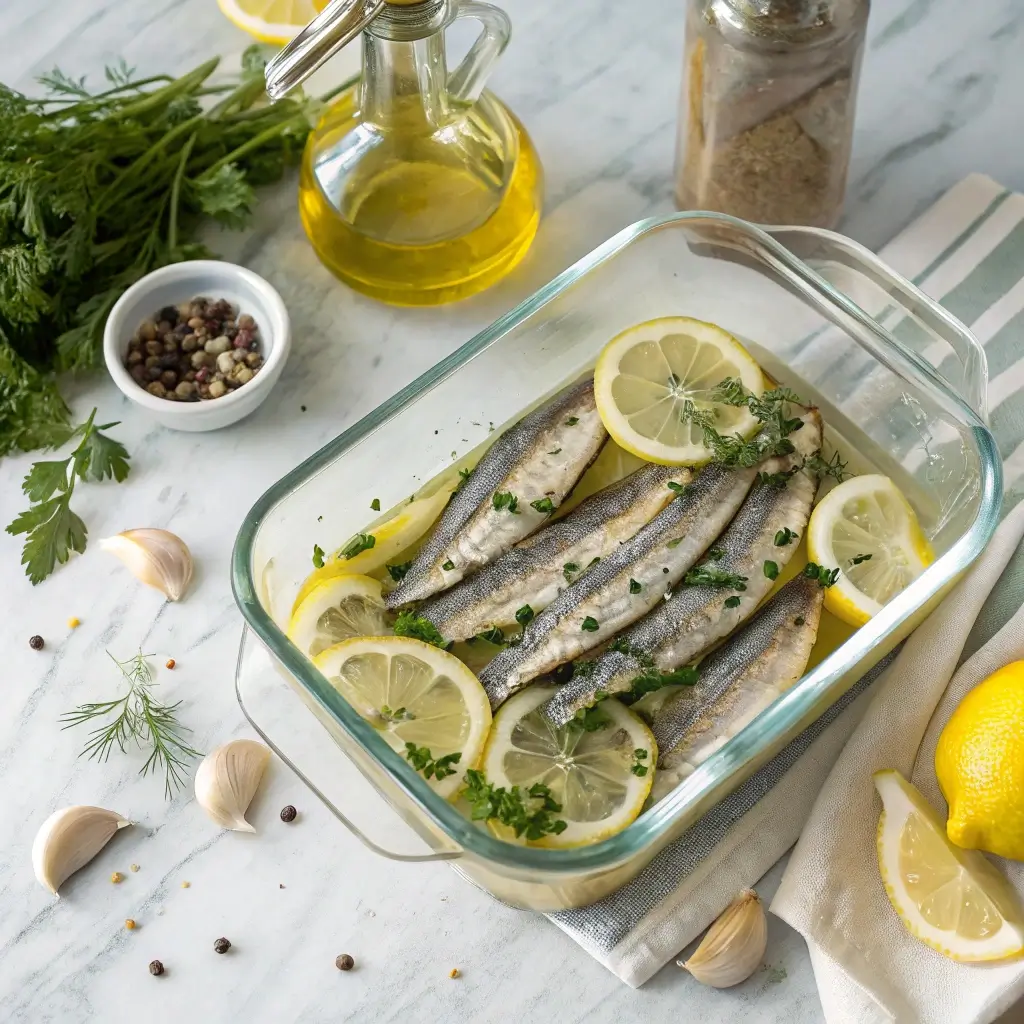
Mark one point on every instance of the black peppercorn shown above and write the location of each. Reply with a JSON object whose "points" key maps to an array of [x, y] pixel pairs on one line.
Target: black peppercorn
{"points": [[168, 313], [155, 967], [221, 945], [344, 962], [35, 642], [288, 813]]}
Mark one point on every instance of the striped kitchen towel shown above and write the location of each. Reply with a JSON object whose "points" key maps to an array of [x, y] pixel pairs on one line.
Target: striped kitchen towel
{"points": [[966, 251]]}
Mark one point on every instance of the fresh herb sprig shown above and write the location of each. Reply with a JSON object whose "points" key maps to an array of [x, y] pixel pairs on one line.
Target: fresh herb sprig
{"points": [[423, 761], [530, 813], [833, 467], [52, 530], [710, 575], [416, 626], [826, 577], [138, 716]]}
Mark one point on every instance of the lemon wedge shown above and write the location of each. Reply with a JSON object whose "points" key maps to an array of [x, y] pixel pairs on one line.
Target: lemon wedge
{"points": [[866, 515], [952, 899], [338, 609], [390, 539], [644, 375], [271, 21], [414, 693], [600, 778]]}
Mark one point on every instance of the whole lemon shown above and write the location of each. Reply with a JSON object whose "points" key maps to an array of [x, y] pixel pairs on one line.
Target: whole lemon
{"points": [[979, 763]]}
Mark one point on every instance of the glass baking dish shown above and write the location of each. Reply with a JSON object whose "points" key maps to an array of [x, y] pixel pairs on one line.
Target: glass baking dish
{"points": [[822, 314]]}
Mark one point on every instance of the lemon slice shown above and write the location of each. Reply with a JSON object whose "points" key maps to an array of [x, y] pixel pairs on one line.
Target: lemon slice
{"points": [[390, 539], [338, 609], [413, 693], [270, 21], [589, 773], [644, 376], [866, 515], [952, 899]]}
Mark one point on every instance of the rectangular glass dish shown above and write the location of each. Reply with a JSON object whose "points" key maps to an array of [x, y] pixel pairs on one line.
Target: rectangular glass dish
{"points": [[901, 385]]}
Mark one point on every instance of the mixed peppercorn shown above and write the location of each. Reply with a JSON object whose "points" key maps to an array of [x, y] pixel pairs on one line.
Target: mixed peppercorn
{"points": [[197, 350]]}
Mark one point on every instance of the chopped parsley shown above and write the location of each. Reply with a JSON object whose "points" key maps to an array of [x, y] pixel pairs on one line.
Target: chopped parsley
{"points": [[568, 569], [398, 715], [448, 565], [639, 756], [771, 570], [590, 625], [422, 760], [715, 554], [590, 719], [572, 421], [416, 626], [785, 536], [505, 500], [545, 505], [732, 602], [825, 577], [834, 467], [530, 813], [857, 559], [712, 576], [360, 542], [652, 680], [318, 557], [680, 489], [397, 572], [493, 636], [464, 475], [524, 616], [375, 504], [634, 587]]}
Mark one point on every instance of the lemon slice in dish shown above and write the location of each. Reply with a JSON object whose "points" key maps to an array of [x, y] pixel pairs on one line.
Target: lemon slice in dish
{"points": [[414, 693], [952, 899], [866, 516], [390, 539], [338, 609], [645, 375], [600, 777], [271, 21]]}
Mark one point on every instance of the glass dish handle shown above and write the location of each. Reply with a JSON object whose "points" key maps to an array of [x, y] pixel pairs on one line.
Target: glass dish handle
{"points": [[930, 336], [467, 81]]}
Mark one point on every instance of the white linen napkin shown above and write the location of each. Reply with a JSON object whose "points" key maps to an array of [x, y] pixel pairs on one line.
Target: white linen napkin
{"points": [[967, 251]]}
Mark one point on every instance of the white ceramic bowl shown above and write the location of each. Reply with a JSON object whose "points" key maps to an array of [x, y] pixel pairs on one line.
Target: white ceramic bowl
{"points": [[181, 282]]}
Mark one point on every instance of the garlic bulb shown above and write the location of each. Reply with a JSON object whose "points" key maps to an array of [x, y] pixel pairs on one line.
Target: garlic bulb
{"points": [[156, 557], [69, 839], [733, 946], [227, 781]]}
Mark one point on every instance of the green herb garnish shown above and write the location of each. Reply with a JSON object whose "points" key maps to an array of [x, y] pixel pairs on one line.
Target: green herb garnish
{"points": [[799, 620], [679, 489], [639, 756], [528, 813], [857, 559], [464, 475], [505, 500], [590, 719], [785, 536], [732, 602], [397, 572], [555, 452], [833, 467], [706, 575], [360, 542], [493, 636], [318, 557], [416, 626], [398, 715], [634, 587], [771, 570], [590, 625], [375, 504], [544, 505], [777, 480], [825, 577], [423, 761], [448, 565], [652, 680], [715, 554], [139, 716], [53, 530], [568, 569], [572, 421], [524, 616]]}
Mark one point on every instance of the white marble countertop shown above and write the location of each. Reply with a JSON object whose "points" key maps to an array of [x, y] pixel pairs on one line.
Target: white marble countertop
{"points": [[596, 85]]}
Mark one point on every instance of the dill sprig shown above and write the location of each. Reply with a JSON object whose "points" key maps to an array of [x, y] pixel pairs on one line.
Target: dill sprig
{"points": [[138, 716]]}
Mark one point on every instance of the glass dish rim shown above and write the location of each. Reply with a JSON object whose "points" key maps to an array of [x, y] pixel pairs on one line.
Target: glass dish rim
{"points": [[776, 719]]}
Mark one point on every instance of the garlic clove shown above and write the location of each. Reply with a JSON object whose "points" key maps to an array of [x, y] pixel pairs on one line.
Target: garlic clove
{"points": [[227, 781], [156, 557], [69, 839], [734, 945]]}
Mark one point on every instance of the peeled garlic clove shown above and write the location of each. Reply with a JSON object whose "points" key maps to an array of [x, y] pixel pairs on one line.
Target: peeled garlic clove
{"points": [[69, 839], [734, 945], [227, 781], [156, 557]]}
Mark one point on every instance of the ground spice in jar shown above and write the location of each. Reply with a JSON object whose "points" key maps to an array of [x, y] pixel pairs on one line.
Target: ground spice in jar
{"points": [[198, 350]]}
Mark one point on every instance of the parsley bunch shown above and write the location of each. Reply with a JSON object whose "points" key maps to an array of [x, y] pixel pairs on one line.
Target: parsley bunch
{"points": [[528, 813], [98, 189]]}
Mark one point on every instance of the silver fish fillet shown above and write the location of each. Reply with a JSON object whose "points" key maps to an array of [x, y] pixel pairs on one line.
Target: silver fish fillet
{"points": [[625, 585], [537, 569], [737, 682], [696, 617], [541, 457]]}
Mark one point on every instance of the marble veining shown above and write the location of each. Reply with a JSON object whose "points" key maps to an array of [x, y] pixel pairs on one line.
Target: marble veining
{"points": [[596, 83]]}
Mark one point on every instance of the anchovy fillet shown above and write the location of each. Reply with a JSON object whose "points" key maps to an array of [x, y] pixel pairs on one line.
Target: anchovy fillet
{"points": [[623, 586], [537, 569], [696, 617], [541, 457], [737, 682]]}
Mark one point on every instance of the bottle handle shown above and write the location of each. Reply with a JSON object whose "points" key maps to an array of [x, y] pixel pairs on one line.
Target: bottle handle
{"points": [[467, 81]]}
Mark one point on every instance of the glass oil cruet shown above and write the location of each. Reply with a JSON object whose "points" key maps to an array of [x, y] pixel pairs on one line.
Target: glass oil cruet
{"points": [[418, 187]]}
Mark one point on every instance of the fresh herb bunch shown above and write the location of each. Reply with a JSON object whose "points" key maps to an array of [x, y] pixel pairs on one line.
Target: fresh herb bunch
{"points": [[419, 628], [530, 813], [52, 530], [139, 716], [423, 761], [98, 189]]}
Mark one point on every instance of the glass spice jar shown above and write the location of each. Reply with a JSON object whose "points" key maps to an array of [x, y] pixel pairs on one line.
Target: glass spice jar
{"points": [[766, 117]]}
